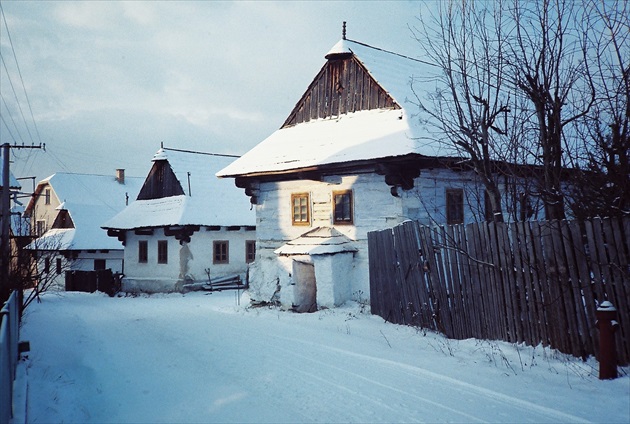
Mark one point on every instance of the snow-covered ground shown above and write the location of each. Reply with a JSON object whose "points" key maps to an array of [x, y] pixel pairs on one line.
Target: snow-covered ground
{"points": [[203, 358]]}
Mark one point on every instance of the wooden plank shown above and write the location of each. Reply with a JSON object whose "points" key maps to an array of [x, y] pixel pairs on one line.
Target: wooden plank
{"points": [[401, 243], [585, 301], [500, 311], [443, 288], [434, 277], [571, 292], [540, 270], [524, 292], [619, 278], [458, 312], [478, 287], [530, 275], [509, 282], [422, 289]]}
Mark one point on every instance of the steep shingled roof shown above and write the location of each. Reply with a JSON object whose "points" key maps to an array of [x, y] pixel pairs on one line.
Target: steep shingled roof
{"points": [[355, 136], [207, 199]]}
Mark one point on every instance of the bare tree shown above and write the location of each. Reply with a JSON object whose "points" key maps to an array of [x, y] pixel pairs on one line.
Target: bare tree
{"points": [[469, 105], [547, 64], [603, 189], [37, 267]]}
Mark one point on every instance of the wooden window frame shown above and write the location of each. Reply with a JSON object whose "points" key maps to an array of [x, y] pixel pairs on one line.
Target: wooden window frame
{"points": [[449, 194], [301, 222], [47, 196], [250, 251], [350, 219], [143, 251], [162, 251], [220, 252]]}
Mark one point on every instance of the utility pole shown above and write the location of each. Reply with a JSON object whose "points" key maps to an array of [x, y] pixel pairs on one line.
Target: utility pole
{"points": [[5, 228]]}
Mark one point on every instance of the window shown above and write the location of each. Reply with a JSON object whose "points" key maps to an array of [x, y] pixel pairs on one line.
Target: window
{"points": [[220, 249], [300, 204], [47, 196], [40, 228], [143, 251], [58, 265], [342, 207], [162, 251], [250, 251], [46, 265], [454, 206], [99, 264]]}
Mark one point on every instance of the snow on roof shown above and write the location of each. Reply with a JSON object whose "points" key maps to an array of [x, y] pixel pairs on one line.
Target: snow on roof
{"points": [[207, 199], [13, 182], [90, 200], [362, 135], [90, 189], [319, 241]]}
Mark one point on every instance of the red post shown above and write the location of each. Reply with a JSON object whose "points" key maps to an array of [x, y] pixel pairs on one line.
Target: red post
{"points": [[607, 324]]}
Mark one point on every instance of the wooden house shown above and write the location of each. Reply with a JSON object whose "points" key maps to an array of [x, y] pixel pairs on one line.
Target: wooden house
{"points": [[351, 157], [186, 226], [66, 212]]}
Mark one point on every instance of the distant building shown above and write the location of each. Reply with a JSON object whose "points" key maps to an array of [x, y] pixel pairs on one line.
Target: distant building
{"points": [[186, 226], [66, 213]]}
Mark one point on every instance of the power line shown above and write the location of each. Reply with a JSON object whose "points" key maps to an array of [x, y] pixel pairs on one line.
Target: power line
{"points": [[16, 97], [28, 102]]}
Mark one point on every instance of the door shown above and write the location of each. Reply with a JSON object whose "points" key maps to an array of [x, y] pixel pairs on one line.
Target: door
{"points": [[305, 288]]}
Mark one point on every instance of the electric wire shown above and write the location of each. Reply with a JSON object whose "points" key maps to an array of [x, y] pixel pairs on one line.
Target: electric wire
{"points": [[28, 102], [16, 97]]}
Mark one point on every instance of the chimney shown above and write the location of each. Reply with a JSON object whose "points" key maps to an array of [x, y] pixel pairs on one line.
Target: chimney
{"points": [[120, 176]]}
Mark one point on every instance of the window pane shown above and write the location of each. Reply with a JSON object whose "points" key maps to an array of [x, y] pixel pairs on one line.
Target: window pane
{"points": [[300, 204], [454, 206], [220, 252], [250, 251], [162, 251], [342, 207], [143, 254]]}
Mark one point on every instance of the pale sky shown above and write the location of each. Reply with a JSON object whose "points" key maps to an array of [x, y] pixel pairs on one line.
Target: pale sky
{"points": [[109, 81]]}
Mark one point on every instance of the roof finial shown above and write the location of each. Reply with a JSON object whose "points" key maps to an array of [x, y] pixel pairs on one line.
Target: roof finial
{"points": [[343, 32]]}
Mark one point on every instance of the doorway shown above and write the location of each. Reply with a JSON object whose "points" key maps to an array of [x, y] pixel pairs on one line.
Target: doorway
{"points": [[305, 288]]}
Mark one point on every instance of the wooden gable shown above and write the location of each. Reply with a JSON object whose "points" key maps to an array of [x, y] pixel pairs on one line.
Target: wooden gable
{"points": [[63, 220], [161, 182], [343, 85]]}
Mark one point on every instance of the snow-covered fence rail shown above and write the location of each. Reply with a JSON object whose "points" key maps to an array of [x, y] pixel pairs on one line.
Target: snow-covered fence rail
{"points": [[9, 327], [530, 282]]}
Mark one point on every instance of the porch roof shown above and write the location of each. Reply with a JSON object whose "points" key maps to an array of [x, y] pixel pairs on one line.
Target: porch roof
{"points": [[318, 241]]}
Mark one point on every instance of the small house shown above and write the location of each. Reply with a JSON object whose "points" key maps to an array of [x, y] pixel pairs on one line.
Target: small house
{"points": [[186, 226], [351, 157], [66, 212]]}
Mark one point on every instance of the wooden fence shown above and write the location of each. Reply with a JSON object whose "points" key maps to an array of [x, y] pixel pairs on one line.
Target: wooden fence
{"points": [[529, 282]]}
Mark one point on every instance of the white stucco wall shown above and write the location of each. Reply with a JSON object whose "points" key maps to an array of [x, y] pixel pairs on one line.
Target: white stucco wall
{"points": [[374, 208], [155, 277]]}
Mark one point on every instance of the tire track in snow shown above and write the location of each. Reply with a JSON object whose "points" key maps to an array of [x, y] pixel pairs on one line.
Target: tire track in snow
{"points": [[549, 413]]}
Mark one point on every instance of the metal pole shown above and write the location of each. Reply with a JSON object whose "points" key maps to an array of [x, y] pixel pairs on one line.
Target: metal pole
{"points": [[5, 251]]}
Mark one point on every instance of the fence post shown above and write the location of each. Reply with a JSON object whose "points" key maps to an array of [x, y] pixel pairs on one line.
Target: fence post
{"points": [[607, 325]]}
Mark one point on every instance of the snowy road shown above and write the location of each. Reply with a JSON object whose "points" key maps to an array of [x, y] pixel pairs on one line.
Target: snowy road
{"points": [[201, 358]]}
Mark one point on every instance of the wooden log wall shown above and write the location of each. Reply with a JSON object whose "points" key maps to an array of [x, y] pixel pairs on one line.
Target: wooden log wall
{"points": [[524, 282]]}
